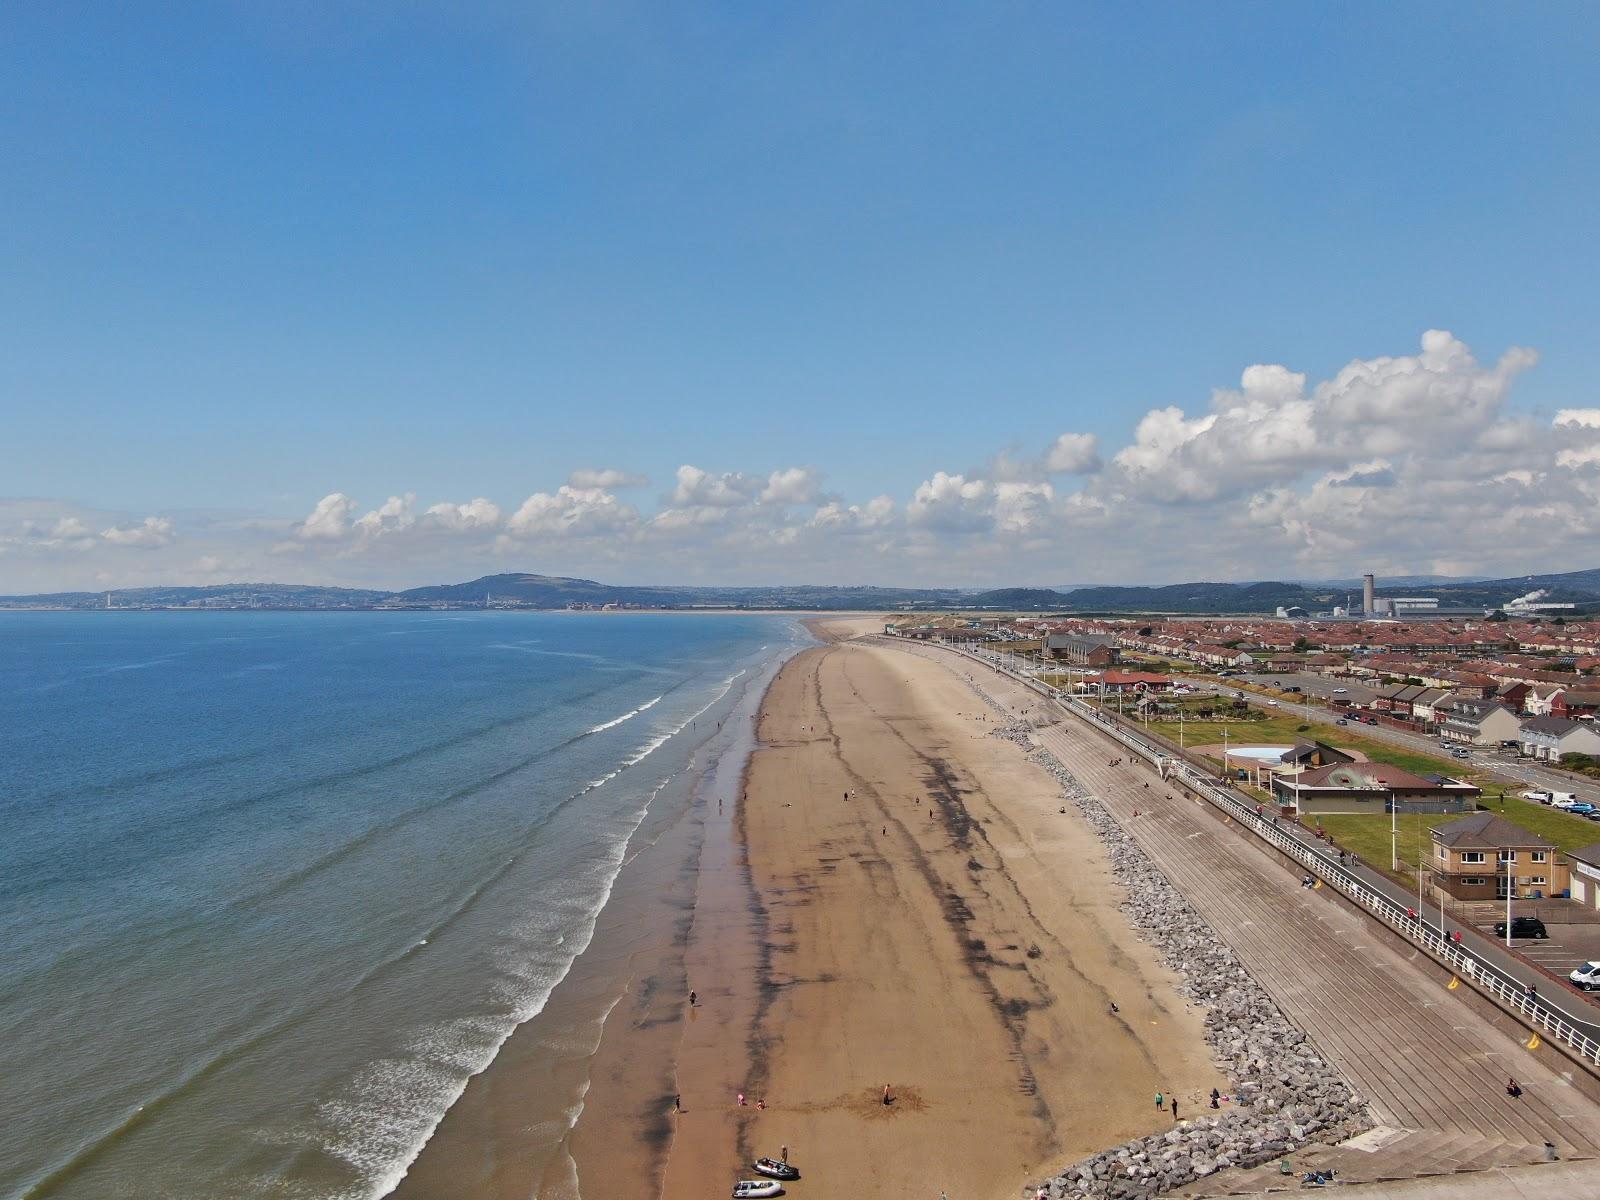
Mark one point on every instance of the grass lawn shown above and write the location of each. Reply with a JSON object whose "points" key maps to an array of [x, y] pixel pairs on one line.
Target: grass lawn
{"points": [[1368, 835]]}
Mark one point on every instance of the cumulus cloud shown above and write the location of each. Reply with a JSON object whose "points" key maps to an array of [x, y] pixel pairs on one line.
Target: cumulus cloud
{"points": [[1073, 454], [605, 477], [473, 515], [796, 485], [697, 488], [329, 520], [146, 535], [1414, 462], [571, 512]]}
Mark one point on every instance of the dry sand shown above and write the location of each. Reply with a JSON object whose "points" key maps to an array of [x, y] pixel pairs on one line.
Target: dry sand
{"points": [[913, 910]]}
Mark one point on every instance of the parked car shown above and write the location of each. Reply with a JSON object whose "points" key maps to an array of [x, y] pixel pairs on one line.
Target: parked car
{"points": [[1565, 801], [1272, 704], [1341, 721], [1372, 720], [1586, 977], [1340, 691], [1542, 795], [1522, 927], [1583, 808]]}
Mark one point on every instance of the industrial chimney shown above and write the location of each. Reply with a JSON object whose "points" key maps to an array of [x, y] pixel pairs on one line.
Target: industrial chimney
{"points": [[1367, 604]]}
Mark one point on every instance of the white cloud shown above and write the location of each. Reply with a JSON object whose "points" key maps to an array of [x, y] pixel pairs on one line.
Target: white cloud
{"points": [[1073, 454], [473, 515], [571, 512], [147, 535], [329, 520], [1412, 463], [796, 485], [395, 515], [701, 489], [605, 477]]}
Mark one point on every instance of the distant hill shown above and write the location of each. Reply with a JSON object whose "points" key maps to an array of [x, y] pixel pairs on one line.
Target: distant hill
{"points": [[556, 591], [553, 591], [224, 595]]}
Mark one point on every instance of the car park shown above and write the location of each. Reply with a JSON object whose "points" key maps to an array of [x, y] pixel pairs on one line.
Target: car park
{"points": [[1522, 927], [1586, 977]]}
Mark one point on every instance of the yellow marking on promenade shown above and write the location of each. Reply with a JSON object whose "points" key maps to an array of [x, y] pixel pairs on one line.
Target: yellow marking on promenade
{"points": [[1534, 1043], [1453, 984]]}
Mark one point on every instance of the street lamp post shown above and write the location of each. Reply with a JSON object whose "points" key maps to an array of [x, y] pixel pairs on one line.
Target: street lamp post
{"points": [[1394, 833], [1511, 881]]}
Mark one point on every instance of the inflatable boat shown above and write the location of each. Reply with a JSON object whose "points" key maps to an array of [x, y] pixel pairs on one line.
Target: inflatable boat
{"points": [[775, 1169]]}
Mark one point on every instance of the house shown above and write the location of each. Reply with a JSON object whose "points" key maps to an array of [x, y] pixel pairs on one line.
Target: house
{"points": [[1548, 738], [1084, 649], [1486, 857], [1221, 656], [1481, 722], [1513, 695], [1425, 707], [1306, 754], [1573, 703], [1371, 787], [1584, 867], [1403, 699]]}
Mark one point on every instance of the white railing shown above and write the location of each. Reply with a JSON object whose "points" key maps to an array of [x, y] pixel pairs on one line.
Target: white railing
{"points": [[1407, 922]]}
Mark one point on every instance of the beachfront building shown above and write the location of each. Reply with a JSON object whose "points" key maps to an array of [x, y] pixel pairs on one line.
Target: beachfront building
{"points": [[1584, 875], [1486, 857], [1083, 649], [1548, 738], [1370, 787]]}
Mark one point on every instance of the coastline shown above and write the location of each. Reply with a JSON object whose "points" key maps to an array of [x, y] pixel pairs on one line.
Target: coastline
{"points": [[581, 1090]]}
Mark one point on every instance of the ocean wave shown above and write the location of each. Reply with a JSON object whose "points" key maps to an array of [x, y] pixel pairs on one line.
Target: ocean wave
{"points": [[627, 716]]}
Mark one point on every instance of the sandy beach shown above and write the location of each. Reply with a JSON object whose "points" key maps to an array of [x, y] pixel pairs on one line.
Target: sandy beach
{"points": [[925, 918], [889, 896]]}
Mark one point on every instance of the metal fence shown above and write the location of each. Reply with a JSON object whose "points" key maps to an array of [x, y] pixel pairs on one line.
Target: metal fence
{"points": [[1408, 922]]}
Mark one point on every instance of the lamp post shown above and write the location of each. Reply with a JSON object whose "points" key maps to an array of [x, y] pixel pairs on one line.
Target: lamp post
{"points": [[1511, 881], [1394, 833]]}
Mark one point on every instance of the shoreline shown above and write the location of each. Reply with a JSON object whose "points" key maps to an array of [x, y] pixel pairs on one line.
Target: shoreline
{"points": [[577, 1075]]}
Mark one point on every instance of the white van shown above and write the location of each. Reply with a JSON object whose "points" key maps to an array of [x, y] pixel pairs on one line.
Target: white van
{"points": [[1562, 799]]}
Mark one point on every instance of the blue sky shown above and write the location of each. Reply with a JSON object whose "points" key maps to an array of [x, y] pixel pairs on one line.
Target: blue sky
{"points": [[261, 255]]}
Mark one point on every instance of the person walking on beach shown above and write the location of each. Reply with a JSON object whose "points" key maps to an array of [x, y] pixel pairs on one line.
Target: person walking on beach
{"points": [[1161, 1102], [677, 1104], [692, 997], [888, 1094], [1174, 1108], [1216, 1096]]}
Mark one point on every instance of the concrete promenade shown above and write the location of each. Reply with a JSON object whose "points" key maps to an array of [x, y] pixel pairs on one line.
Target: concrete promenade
{"points": [[1432, 1069]]}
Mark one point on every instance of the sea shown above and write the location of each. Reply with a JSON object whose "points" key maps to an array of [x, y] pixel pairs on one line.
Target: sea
{"points": [[274, 886]]}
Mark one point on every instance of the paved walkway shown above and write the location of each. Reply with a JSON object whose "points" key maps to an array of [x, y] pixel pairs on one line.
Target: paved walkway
{"points": [[1423, 1060]]}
